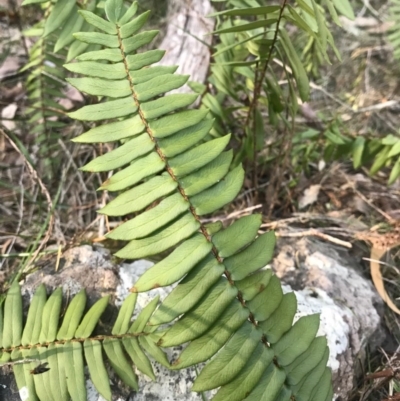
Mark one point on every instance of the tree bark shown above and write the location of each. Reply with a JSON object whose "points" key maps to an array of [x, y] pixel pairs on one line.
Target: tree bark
{"points": [[187, 27]]}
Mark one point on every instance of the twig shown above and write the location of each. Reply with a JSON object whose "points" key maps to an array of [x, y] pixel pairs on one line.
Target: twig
{"points": [[58, 258], [301, 218], [315, 233], [367, 6], [374, 107], [249, 191], [19, 362], [366, 200], [232, 215], [72, 162], [366, 72], [325, 92], [383, 263], [26, 254], [379, 106], [360, 50]]}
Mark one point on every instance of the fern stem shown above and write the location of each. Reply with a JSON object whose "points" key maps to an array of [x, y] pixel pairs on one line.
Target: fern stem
{"points": [[251, 114], [77, 340], [255, 164], [41, 83], [258, 84]]}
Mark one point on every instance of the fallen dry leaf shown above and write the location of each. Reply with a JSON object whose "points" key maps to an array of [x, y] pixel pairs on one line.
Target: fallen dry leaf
{"points": [[310, 196], [376, 255]]}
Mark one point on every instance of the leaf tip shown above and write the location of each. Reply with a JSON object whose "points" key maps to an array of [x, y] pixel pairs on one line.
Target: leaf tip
{"points": [[86, 169], [176, 362], [104, 185]]}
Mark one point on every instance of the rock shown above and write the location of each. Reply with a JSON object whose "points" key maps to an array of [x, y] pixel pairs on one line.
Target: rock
{"points": [[82, 267], [327, 280], [324, 278]]}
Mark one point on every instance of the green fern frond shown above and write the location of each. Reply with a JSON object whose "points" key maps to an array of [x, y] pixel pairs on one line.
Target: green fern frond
{"points": [[264, 33], [45, 81], [372, 153], [66, 349], [171, 177], [60, 21], [394, 36], [253, 39]]}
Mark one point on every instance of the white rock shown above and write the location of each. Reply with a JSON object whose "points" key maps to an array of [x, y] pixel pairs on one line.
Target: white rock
{"points": [[8, 113], [326, 281]]}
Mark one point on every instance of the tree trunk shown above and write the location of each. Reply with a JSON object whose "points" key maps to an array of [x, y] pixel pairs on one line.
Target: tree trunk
{"points": [[187, 29]]}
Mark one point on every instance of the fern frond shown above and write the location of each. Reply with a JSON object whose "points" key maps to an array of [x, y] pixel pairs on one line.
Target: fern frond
{"points": [[66, 349], [253, 40], [372, 153], [394, 36], [180, 174], [61, 20], [45, 82], [264, 34]]}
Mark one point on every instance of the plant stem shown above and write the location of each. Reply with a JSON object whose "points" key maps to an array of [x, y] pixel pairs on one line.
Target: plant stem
{"points": [[255, 169], [259, 79], [258, 85]]}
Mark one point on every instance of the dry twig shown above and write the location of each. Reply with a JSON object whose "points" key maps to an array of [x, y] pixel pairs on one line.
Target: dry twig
{"points": [[232, 215], [315, 233]]}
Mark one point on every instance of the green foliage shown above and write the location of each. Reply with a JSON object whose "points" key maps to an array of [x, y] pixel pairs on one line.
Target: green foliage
{"points": [[394, 35], [65, 349], [183, 181], [335, 144], [254, 54], [45, 82], [171, 169]]}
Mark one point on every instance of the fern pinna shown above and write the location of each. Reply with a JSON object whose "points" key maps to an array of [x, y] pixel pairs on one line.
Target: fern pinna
{"points": [[64, 350], [228, 309], [394, 36]]}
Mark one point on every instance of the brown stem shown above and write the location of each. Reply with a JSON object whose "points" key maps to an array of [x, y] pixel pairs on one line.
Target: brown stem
{"points": [[258, 85], [255, 167], [258, 81]]}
